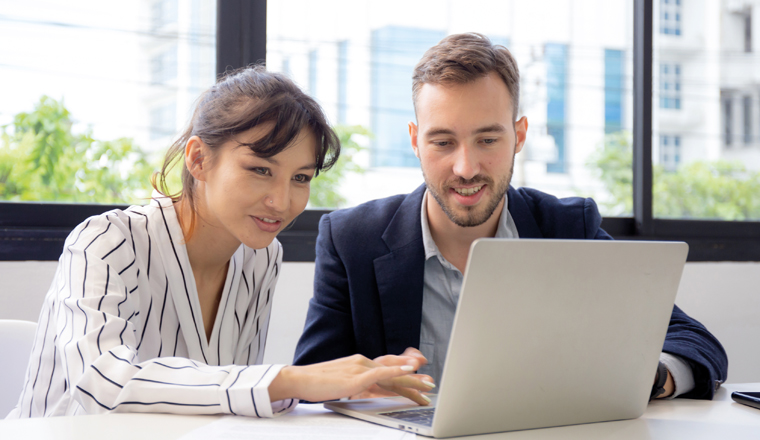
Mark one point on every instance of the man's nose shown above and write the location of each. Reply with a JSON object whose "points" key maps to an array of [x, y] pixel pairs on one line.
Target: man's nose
{"points": [[466, 163]]}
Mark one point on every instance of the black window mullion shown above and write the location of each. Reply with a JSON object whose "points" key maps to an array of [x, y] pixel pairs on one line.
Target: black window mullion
{"points": [[241, 33], [642, 117]]}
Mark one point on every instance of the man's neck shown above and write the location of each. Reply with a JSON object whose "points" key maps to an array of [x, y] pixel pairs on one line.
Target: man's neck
{"points": [[454, 241]]}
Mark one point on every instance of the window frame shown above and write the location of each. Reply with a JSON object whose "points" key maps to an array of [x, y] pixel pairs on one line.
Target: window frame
{"points": [[36, 231]]}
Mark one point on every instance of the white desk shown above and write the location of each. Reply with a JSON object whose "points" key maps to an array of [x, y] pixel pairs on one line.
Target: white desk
{"points": [[667, 419]]}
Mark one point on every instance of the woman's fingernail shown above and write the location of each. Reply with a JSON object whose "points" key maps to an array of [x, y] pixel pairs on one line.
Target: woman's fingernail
{"points": [[407, 367], [430, 384], [425, 398]]}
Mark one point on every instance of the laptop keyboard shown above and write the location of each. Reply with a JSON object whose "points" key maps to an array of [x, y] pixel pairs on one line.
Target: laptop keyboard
{"points": [[419, 416]]}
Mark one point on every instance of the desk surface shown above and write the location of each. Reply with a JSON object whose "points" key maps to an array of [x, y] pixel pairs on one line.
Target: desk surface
{"points": [[665, 419]]}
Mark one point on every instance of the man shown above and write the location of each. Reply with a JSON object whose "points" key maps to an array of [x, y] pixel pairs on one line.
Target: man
{"points": [[389, 272]]}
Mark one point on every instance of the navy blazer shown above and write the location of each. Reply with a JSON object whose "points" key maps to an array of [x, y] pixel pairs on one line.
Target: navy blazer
{"points": [[370, 269]]}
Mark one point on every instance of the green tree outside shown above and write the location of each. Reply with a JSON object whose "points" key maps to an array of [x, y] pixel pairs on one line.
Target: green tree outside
{"points": [[703, 190], [325, 188], [42, 159]]}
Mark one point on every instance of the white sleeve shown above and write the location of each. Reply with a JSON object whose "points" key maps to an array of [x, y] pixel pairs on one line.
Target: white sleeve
{"points": [[100, 353], [683, 377]]}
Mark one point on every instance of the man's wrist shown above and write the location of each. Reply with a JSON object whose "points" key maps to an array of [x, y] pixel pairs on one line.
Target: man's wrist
{"points": [[661, 379]]}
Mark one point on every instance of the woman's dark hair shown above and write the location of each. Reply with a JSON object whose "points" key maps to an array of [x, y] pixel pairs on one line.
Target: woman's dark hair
{"points": [[239, 101]]}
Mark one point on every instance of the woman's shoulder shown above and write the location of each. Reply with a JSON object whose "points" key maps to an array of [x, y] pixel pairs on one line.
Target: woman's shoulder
{"points": [[106, 231]]}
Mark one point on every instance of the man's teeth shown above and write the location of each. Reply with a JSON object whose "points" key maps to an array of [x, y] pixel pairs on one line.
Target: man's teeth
{"points": [[266, 220], [468, 191]]}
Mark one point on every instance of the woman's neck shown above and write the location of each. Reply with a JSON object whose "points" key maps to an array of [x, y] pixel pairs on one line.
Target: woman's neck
{"points": [[209, 246]]}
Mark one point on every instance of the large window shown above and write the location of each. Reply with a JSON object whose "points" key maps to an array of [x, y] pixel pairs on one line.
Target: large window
{"points": [[575, 91], [711, 83], [93, 92], [591, 87]]}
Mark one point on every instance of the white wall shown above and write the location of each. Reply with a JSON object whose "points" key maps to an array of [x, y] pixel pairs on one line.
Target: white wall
{"points": [[723, 296]]}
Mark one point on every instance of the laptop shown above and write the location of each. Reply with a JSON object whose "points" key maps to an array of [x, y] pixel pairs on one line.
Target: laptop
{"points": [[546, 333]]}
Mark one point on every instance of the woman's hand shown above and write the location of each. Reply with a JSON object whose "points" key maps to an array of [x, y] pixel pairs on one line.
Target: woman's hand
{"points": [[407, 386], [348, 376]]}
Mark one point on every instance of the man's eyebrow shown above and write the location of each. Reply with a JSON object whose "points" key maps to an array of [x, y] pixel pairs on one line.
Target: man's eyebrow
{"points": [[437, 131], [494, 128]]}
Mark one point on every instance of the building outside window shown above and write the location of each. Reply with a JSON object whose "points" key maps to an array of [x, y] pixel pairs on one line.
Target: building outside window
{"points": [[727, 121], [163, 121], [747, 120], [395, 52], [670, 17], [670, 86], [613, 90], [670, 152], [748, 31], [556, 92]]}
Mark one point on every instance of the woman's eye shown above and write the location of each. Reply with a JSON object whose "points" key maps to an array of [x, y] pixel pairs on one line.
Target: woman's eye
{"points": [[302, 178], [261, 170]]}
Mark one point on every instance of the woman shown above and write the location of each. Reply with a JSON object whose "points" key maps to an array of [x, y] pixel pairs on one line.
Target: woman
{"points": [[165, 307]]}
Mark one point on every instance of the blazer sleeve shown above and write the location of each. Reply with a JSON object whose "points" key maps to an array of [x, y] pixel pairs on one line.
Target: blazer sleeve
{"points": [[690, 340], [328, 333]]}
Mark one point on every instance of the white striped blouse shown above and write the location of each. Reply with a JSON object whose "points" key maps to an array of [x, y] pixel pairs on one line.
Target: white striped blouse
{"points": [[121, 327]]}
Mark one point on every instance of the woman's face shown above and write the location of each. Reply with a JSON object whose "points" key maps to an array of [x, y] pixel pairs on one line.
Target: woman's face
{"points": [[254, 198]]}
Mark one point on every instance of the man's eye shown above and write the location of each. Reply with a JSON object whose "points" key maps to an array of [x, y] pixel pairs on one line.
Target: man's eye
{"points": [[442, 143], [489, 141], [302, 178]]}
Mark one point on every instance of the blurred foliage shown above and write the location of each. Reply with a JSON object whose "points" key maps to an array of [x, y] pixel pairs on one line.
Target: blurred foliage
{"points": [[720, 189], [325, 187], [42, 159]]}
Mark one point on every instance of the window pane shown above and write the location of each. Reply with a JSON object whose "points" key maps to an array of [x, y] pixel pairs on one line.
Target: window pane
{"points": [[356, 58], [713, 172], [93, 93]]}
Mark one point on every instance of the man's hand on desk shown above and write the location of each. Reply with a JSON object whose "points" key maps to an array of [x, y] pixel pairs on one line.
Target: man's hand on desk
{"points": [[407, 386]]}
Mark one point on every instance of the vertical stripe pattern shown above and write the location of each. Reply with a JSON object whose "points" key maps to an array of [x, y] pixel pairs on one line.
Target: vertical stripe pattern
{"points": [[121, 327]]}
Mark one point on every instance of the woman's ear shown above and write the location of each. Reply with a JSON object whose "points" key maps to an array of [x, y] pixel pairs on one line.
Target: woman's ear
{"points": [[195, 155]]}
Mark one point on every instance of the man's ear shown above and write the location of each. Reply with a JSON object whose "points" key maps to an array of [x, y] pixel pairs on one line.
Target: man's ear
{"points": [[413, 138], [521, 132], [195, 157]]}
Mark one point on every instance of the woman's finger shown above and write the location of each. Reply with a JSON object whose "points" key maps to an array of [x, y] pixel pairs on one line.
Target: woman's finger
{"points": [[413, 395]]}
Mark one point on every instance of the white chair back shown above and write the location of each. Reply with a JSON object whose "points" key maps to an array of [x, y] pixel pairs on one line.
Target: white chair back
{"points": [[16, 338]]}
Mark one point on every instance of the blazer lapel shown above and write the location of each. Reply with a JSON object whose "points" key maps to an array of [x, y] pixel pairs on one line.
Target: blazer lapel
{"points": [[400, 275]]}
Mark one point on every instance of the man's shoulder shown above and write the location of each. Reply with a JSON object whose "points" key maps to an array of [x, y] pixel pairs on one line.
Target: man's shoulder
{"points": [[554, 217], [391, 221], [540, 200]]}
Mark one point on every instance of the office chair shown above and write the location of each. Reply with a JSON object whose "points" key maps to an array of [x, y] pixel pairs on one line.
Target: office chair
{"points": [[16, 338]]}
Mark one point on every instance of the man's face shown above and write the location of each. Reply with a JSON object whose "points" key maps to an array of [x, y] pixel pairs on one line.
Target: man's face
{"points": [[466, 141]]}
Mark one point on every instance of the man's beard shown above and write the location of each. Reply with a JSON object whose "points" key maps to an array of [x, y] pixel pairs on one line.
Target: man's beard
{"points": [[473, 216]]}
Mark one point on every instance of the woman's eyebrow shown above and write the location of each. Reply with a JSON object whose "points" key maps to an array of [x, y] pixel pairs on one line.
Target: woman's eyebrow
{"points": [[273, 161]]}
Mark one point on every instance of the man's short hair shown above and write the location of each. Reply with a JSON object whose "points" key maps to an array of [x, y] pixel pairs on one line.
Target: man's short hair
{"points": [[462, 58]]}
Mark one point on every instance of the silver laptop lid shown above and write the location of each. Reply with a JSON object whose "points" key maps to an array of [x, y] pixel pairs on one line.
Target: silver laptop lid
{"points": [[556, 332]]}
